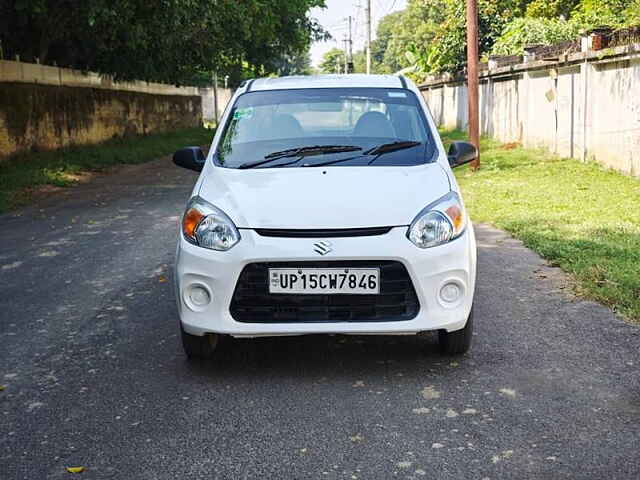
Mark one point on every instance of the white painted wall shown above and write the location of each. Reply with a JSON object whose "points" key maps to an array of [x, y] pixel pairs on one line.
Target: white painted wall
{"points": [[614, 119], [588, 108], [20, 72], [208, 102]]}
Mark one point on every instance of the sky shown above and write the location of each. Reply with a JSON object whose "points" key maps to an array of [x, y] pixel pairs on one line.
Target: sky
{"points": [[333, 19]]}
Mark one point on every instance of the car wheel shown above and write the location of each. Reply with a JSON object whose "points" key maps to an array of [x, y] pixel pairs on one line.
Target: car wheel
{"points": [[199, 347], [458, 342]]}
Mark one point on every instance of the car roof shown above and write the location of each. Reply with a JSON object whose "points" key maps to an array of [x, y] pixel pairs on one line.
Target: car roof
{"points": [[327, 81]]}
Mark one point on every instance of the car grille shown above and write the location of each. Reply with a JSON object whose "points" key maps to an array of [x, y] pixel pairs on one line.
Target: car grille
{"points": [[252, 302], [323, 232]]}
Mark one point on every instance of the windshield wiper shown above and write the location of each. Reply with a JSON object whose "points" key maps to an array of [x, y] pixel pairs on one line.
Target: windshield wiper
{"points": [[391, 147], [294, 152], [300, 152], [377, 151]]}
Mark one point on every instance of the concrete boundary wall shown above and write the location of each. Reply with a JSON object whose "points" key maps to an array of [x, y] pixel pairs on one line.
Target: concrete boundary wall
{"points": [[210, 97], [45, 108], [584, 105], [20, 72]]}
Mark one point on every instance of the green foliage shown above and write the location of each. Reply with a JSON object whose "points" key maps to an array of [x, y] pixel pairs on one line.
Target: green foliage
{"points": [[412, 29], [431, 34], [632, 13], [418, 29], [446, 51], [333, 61], [533, 31], [295, 64], [169, 40], [604, 13], [386, 51], [556, 21], [565, 210], [21, 174], [551, 9], [360, 63]]}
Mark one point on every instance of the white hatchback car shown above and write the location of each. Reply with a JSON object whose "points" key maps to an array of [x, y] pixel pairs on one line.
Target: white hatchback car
{"points": [[326, 204]]}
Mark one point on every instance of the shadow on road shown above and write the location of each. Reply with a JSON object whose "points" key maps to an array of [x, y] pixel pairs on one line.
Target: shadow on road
{"points": [[323, 355]]}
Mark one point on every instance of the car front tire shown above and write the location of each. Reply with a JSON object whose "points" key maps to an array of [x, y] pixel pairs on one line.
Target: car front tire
{"points": [[458, 342], [199, 347]]}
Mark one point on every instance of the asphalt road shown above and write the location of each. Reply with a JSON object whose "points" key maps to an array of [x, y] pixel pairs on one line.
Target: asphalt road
{"points": [[95, 376]]}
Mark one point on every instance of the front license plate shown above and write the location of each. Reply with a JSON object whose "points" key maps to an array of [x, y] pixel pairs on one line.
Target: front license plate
{"points": [[309, 281]]}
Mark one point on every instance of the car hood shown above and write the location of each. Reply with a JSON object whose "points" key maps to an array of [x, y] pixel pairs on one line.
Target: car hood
{"points": [[330, 197]]}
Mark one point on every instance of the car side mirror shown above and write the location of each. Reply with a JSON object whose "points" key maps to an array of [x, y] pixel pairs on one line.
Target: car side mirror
{"points": [[461, 153], [191, 158]]}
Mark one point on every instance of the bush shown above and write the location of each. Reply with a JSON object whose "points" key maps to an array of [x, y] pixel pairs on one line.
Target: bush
{"points": [[534, 31]]}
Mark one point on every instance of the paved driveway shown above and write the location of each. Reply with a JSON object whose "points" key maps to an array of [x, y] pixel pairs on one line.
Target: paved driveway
{"points": [[95, 375]]}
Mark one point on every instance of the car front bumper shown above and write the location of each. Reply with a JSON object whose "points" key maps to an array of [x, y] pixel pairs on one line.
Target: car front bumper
{"points": [[429, 270]]}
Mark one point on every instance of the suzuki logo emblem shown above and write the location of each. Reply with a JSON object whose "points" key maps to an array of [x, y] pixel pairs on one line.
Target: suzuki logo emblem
{"points": [[322, 247]]}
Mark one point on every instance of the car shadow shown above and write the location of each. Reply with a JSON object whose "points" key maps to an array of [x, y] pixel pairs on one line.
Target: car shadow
{"points": [[319, 356]]}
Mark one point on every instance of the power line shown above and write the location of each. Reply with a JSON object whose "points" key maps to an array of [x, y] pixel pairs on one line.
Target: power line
{"points": [[337, 24], [378, 6], [358, 18], [390, 8], [360, 35]]}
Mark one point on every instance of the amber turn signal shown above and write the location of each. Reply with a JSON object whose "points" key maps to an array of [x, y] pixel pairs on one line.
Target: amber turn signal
{"points": [[190, 222], [457, 217]]}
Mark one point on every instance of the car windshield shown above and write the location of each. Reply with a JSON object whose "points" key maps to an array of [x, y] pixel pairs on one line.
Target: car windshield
{"points": [[332, 126]]}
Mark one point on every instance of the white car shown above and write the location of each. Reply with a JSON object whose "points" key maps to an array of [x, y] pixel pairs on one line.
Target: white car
{"points": [[327, 205]]}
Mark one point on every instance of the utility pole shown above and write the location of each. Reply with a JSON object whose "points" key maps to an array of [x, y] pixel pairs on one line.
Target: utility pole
{"points": [[350, 63], [215, 96], [346, 54], [368, 19], [472, 77]]}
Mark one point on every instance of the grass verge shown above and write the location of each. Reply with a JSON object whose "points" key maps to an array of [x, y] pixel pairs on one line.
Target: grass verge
{"points": [[21, 175], [581, 217]]}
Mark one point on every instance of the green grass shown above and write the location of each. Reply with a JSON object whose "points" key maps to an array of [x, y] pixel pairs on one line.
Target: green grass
{"points": [[21, 174], [581, 217]]}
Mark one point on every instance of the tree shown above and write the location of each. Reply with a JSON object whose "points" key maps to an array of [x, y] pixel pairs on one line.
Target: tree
{"points": [[430, 34], [551, 9], [417, 31], [296, 64], [604, 13], [360, 63], [332, 61], [170, 40], [632, 13], [412, 29], [384, 57], [448, 50]]}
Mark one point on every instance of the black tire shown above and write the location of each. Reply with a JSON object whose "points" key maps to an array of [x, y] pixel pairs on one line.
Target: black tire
{"points": [[458, 342], [199, 348]]}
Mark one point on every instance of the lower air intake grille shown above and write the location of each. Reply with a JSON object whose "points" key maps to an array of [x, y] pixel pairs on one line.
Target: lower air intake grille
{"points": [[252, 302]]}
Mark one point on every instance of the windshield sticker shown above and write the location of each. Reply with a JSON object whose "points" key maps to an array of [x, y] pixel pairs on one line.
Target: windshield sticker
{"points": [[243, 113], [397, 94]]}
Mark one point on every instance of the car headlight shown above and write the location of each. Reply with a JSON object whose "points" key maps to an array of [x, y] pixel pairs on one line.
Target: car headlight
{"points": [[208, 226], [438, 223]]}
